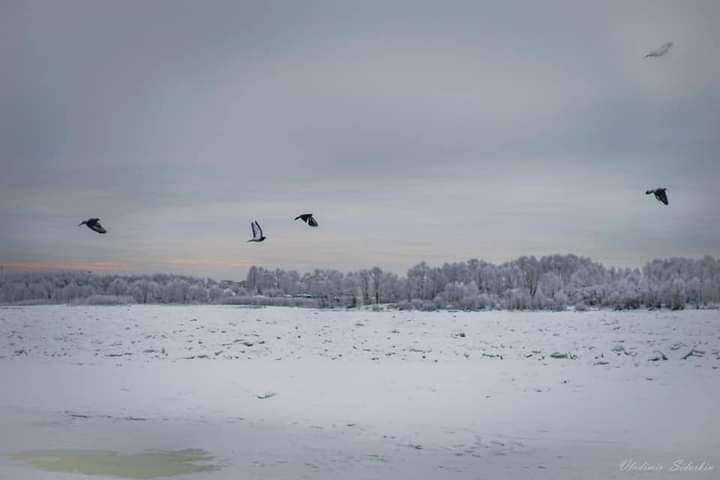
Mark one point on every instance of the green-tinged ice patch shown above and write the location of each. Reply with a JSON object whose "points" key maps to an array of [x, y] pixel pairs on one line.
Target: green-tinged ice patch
{"points": [[146, 464]]}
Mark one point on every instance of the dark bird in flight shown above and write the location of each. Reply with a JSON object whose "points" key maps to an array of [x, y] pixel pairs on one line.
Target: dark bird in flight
{"points": [[94, 225], [661, 51], [659, 194], [308, 218], [257, 232]]}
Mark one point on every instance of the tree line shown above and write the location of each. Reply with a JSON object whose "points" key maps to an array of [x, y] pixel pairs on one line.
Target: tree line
{"points": [[527, 283]]}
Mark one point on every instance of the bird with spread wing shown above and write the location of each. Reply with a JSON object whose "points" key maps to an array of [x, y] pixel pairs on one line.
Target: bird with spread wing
{"points": [[257, 232], [307, 218], [94, 225], [661, 51], [660, 195]]}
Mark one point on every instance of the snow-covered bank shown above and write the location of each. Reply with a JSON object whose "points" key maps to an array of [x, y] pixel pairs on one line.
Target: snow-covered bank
{"points": [[295, 393]]}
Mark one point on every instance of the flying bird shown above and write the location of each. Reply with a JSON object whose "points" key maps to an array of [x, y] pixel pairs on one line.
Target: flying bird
{"points": [[660, 195], [94, 225], [257, 232], [661, 51], [308, 218]]}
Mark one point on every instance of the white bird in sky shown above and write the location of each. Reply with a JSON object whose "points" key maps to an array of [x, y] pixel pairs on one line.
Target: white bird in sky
{"points": [[660, 51]]}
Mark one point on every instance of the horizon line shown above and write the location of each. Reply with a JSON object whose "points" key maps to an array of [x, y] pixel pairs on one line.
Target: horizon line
{"points": [[106, 267]]}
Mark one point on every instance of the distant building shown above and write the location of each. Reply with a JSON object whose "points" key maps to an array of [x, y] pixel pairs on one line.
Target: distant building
{"points": [[233, 285]]}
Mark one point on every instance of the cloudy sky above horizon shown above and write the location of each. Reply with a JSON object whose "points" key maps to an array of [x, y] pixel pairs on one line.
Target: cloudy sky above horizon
{"points": [[414, 130]]}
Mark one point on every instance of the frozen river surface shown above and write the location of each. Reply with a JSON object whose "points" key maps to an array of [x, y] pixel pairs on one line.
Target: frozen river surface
{"points": [[220, 392]]}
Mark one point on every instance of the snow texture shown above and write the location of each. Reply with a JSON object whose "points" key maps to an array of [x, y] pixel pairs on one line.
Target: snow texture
{"points": [[289, 393]]}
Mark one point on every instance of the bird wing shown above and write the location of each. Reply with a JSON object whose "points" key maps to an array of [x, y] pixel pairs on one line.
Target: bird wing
{"points": [[660, 51], [662, 196], [259, 228], [254, 232], [96, 227], [312, 222]]}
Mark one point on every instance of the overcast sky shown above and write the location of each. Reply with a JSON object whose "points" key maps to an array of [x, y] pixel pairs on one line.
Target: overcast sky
{"points": [[413, 130]]}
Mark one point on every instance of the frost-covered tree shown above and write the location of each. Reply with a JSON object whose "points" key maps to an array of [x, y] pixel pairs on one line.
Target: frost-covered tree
{"points": [[553, 282], [118, 287]]}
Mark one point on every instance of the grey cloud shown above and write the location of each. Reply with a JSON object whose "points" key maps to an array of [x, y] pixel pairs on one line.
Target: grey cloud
{"points": [[178, 122]]}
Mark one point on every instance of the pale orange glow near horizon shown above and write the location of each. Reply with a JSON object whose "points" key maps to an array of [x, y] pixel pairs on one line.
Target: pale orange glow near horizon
{"points": [[62, 265]]}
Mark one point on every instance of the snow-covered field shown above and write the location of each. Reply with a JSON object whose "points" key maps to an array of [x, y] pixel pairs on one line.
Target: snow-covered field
{"points": [[277, 393]]}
